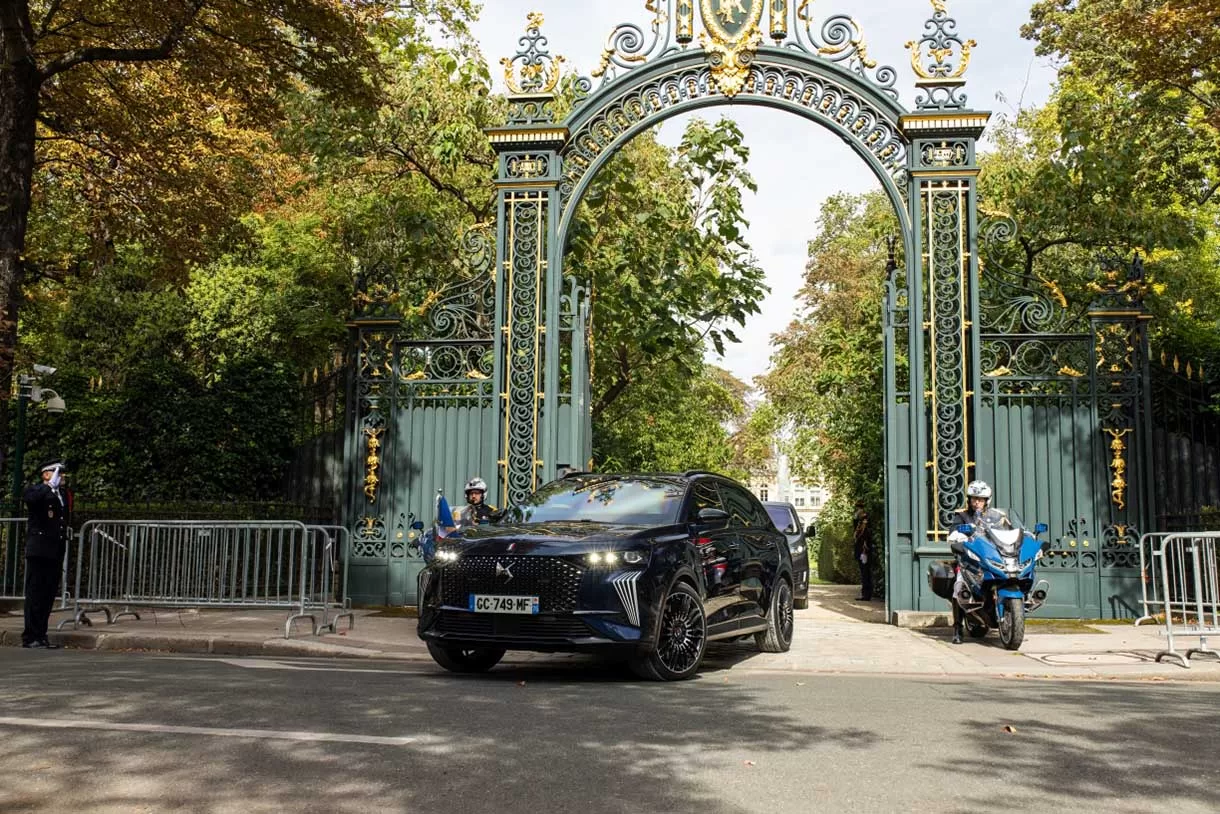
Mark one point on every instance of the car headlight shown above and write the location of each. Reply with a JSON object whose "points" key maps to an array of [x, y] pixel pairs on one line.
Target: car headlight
{"points": [[446, 555], [615, 558]]}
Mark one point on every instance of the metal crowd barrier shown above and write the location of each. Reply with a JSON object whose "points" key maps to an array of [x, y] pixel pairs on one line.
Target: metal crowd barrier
{"points": [[1150, 576], [129, 564], [1189, 591]]}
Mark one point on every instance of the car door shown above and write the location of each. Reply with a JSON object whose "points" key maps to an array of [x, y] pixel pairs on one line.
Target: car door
{"points": [[758, 543], [720, 552]]}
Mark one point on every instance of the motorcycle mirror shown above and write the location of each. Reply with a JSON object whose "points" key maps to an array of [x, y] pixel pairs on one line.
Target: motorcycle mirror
{"points": [[1041, 528], [958, 549]]}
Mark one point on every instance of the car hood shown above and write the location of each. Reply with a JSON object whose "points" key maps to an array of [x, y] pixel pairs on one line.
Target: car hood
{"points": [[552, 538]]}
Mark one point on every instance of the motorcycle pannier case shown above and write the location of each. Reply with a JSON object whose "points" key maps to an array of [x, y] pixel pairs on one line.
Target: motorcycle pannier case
{"points": [[941, 578]]}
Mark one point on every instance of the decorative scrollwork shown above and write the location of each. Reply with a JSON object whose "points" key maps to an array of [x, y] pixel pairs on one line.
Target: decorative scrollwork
{"points": [[376, 295], [947, 205], [835, 104], [539, 72], [842, 40], [940, 59], [628, 45], [1013, 302]]}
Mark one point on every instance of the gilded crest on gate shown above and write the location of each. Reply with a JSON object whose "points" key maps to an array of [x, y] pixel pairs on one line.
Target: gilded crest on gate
{"points": [[730, 21], [731, 40]]}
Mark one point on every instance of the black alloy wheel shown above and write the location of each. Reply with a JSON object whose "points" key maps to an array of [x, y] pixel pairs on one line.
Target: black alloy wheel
{"points": [[777, 638], [681, 641], [457, 659]]}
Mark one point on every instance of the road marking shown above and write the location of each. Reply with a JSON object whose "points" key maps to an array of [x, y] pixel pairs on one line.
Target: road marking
{"points": [[163, 729], [267, 664]]}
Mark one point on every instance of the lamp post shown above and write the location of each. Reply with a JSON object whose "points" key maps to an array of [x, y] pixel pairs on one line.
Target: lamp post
{"points": [[29, 389]]}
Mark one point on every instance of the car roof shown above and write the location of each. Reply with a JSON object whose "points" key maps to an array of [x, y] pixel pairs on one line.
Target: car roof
{"points": [[778, 503]]}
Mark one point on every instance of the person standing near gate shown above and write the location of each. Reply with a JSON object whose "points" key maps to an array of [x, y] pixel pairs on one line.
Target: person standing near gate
{"points": [[45, 541], [862, 535]]}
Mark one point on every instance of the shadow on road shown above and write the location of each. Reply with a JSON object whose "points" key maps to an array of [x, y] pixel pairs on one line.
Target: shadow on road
{"points": [[1154, 742], [574, 737]]}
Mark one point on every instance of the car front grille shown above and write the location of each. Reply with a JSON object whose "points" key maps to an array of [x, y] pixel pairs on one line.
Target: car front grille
{"points": [[531, 629], [553, 580]]}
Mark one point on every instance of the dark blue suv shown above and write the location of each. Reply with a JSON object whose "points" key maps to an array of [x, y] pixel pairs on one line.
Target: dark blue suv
{"points": [[651, 567]]}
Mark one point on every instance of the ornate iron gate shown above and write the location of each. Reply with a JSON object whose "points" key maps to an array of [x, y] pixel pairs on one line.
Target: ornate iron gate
{"points": [[984, 377]]}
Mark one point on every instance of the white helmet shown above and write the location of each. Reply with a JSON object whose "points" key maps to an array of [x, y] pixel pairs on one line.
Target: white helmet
{"points": [[978, 488], [476, 485]]}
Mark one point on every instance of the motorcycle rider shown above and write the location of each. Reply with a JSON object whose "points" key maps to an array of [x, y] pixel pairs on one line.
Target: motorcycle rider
{"points": [[476, 510], [977, 512]]}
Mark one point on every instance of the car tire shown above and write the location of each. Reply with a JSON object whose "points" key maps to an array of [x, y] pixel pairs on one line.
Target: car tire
{"points": [[457, 659], [777, 638], [681, 638]]}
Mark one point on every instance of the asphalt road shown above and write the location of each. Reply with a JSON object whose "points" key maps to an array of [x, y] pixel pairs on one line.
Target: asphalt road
{"points": [[123, 732]]}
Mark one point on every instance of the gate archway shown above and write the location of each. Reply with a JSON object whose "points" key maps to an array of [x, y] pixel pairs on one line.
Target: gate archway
{"points": [[494, 369]]}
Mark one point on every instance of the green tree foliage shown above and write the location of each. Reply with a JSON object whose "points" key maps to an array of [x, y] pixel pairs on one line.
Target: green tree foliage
{"points": [[671, 421], [660, 238], [827, 376], [1160, 60]]}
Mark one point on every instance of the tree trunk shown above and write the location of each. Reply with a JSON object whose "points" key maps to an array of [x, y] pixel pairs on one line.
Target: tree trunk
{"points": [[19, 87]]}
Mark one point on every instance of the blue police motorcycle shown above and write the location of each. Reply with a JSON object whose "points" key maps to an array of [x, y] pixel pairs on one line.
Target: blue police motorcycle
{"points": [[994, 576]]}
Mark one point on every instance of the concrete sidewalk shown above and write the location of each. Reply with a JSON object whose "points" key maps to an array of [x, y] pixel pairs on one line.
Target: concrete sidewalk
{"points": [[835, 635]]}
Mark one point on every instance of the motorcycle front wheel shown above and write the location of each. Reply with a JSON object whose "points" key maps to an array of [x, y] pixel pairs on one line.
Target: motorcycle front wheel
{"points": [[1012, 626]]}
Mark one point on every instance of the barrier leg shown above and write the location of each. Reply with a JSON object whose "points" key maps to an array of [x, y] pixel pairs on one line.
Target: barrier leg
{"points": [[313, 623]]}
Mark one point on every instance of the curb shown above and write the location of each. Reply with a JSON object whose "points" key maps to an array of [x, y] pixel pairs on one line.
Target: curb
{"points": [[210, 645], [920, 620]]}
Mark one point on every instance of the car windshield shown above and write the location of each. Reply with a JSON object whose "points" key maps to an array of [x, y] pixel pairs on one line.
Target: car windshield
{"points": [[783, 519], [632, 501]]}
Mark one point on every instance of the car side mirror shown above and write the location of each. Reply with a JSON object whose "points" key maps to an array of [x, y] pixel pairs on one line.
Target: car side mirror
{"points": [[1041, 528], [791, 530], [418, 525], [958, 548], [712, 517]]}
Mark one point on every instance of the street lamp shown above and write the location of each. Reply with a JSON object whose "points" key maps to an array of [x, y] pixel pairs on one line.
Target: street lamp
{"points": [[29, 388]]}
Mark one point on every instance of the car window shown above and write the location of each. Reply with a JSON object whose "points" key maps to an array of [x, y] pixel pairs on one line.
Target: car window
{"points": [[784, 519], [703, 495], [743, 509], [601, 500]]}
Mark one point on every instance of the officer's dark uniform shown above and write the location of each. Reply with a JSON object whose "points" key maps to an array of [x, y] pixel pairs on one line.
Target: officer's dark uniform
{"points": [[45, 541], [862, 537], [475, 513]]}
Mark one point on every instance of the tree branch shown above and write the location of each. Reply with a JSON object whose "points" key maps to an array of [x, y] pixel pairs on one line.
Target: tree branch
{"points": [[156, 53]]}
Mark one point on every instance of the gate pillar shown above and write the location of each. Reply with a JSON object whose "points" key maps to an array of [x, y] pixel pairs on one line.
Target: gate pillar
{"points": [[1122, 416], [528, 273], [943, 197]]}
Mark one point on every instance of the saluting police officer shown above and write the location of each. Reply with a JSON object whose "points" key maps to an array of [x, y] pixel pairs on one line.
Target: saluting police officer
{"points": [[45, 542]]}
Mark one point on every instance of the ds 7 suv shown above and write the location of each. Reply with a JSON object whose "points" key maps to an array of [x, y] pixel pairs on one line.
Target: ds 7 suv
{"points": [[648, 567]]}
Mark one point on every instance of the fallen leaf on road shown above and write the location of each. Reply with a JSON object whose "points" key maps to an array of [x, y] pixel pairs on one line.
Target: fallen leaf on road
{"points": [[800, 683], [1011, 730], [520, 683], [749, 763]]}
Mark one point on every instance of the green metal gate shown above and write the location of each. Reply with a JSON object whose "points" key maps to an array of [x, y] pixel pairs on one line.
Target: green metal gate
{"points": [[985, 375]]}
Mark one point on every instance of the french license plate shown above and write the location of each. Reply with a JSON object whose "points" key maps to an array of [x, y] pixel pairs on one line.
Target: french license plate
{"points": [[484, 603]]}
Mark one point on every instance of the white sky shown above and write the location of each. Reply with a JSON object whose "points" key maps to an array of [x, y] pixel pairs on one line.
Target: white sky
{"points": [[797, 163]]}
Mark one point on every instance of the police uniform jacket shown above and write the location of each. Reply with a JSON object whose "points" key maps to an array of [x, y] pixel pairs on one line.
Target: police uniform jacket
{"points": [[47, 532]]}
